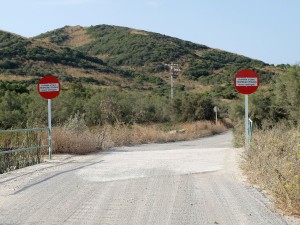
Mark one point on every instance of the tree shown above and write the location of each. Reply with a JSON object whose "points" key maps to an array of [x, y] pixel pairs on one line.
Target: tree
{"points": [[11, 111], [287, 93]]}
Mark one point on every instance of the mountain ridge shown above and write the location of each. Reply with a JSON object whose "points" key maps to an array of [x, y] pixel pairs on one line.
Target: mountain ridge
{"points": [[118, 56], [148, 51]]}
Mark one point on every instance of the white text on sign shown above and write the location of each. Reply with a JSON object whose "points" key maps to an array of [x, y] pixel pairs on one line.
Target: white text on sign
{"points": [[246, 81], [48, 87]]}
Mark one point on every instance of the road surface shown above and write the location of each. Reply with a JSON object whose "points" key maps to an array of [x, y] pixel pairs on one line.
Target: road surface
{"points": [[194, 182]]}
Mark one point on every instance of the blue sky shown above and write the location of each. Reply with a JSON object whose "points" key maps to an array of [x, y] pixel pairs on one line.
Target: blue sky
{"points": [[267, 30]]}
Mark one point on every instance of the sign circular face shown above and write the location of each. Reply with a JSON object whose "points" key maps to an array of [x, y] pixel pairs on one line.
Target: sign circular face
{"points": [[216, 109], [49, 87], [246, 82]]}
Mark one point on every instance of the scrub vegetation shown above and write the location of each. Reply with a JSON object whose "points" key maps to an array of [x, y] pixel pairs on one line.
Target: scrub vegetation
{"points": [[273, 162], [273, 159]]}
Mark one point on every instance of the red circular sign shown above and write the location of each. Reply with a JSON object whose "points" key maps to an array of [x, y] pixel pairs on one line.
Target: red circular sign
{"points": [[246, 82], [49, 87]]}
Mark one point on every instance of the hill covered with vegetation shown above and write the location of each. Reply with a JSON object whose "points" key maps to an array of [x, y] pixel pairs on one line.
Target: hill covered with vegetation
{"points": [[109, 56], [26, 58], [149, 52]]}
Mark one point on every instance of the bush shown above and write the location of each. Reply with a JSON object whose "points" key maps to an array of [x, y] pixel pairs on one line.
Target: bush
{"points": [[273, 161], [192, 107], [287, 94], [75, 137]]}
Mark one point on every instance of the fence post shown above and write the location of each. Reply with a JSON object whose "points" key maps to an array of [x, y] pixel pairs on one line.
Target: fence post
{"points": [[250, 129]]}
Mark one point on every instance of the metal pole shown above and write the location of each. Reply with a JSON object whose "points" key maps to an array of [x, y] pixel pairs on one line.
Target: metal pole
{"points": [[172, 84], [246, 123], [50, 129], [216, 117]]}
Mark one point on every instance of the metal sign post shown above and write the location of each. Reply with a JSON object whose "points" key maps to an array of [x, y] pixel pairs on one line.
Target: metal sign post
{"points": [[246, 122], [50, 129], [246, 82], [49, 88], [216, 109]]}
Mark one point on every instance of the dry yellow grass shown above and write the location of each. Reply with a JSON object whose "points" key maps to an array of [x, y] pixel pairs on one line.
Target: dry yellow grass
{"points": [[67, 140], [44, 43], [139, 32], [107, 78], [103, 56], [273, 162], [201, 52], [78, 73], [5, 77], [78, 36]]}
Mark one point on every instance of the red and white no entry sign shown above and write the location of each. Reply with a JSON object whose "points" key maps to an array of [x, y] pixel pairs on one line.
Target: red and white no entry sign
{"points": [[49, 87], [246, 82]]}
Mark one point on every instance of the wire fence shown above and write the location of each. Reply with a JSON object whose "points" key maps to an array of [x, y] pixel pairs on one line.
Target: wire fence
{"points": [[22, 147]]}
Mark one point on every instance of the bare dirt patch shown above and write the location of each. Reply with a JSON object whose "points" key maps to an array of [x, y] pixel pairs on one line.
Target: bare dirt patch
{"points": [[78, 36]]}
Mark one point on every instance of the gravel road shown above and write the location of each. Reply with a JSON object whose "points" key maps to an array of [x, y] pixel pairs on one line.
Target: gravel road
{"points": [[194, 182]]}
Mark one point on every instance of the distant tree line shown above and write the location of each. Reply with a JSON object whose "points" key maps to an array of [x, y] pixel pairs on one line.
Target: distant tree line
{"points": [[20, 107]]}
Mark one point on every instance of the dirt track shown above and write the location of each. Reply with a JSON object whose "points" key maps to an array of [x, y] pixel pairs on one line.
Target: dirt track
{"points": [[195, 182]]}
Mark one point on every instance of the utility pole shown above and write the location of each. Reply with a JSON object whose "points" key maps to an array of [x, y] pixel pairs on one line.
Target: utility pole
{"points": [[174, 69]]}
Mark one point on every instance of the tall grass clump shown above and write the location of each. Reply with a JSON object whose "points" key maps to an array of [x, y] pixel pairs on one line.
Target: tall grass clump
{"points": [[273, 162], [76, 138]]}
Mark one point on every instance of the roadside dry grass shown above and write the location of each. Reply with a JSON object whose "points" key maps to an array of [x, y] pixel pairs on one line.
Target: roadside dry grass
{"points": [[273, 163], [67, 139], [141, 134]]}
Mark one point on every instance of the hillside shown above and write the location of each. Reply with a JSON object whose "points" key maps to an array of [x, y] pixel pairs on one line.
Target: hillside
{"points": [[148, 52], [28, 59], [125, 58]]}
